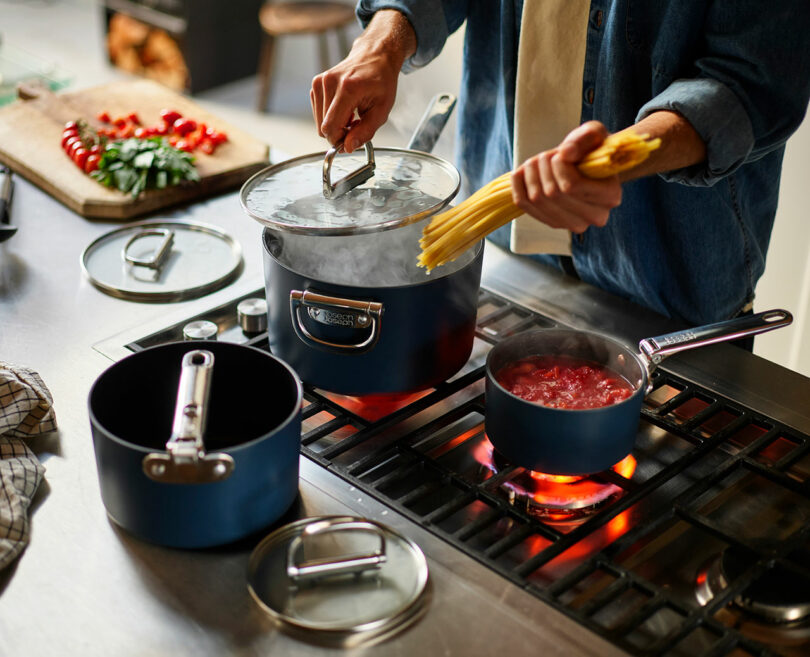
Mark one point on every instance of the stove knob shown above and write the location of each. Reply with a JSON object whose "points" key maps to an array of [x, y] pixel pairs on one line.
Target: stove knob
{"points": [[200, 330], [252, 315]]}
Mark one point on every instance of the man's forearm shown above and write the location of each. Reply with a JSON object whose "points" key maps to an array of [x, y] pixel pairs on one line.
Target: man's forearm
{"points": [[681, 146]]}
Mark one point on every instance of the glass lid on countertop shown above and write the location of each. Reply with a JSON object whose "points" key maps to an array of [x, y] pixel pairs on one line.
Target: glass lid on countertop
{"points": [[335, 193], [162, 260], [339, 580]]}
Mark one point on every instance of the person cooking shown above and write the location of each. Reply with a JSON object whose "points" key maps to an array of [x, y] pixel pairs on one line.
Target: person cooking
{"points": [[723, 84]]}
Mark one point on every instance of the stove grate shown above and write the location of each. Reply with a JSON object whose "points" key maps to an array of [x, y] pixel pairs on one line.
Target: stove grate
{"points": [[711, 474]]}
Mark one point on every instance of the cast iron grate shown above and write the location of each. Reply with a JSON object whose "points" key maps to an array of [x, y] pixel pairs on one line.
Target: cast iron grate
{"points": [[721, 444], [710, 475]]}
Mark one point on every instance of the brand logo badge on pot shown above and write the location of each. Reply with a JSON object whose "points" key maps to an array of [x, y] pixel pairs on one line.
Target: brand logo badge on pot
{"points": [[349, 320]]}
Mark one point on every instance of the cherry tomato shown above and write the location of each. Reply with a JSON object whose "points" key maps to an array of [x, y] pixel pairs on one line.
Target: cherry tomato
{"points": [[71, 125], [161, 129], [68, 135], [96, 149], [184, 126], [120, 122], [142, 133], [126, 132], [183, 145], [80, 157], [72, 144], [132, 117], [91, 164], [104, 117], [207, 147], [170, 116], [218, 137]]}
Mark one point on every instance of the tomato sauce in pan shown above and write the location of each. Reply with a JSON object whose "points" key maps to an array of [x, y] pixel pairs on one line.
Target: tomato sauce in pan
{"points": [[562, 382]]}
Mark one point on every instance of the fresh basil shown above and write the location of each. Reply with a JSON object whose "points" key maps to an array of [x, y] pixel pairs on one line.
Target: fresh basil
{"points": [[133, 165]]}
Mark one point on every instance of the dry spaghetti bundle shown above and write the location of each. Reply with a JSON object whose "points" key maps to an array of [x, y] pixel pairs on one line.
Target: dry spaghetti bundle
{"points": [[452, 232]]}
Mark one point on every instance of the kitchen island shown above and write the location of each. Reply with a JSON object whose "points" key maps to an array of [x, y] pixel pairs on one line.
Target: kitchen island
{"points": [[85, 587]]}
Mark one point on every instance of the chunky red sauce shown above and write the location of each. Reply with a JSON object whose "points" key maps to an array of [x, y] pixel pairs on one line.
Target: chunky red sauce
{"points": [[561, 382]]}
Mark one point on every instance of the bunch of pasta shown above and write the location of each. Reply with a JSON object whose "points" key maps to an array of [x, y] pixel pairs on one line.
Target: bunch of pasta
{"points": [[452, 232]]}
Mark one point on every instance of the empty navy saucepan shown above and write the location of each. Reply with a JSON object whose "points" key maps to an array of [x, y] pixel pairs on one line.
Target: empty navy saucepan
{"points": [[253, 419]]}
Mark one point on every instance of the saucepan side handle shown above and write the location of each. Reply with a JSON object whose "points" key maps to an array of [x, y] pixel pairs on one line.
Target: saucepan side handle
{"points": [[335, 311], [654, 350], [303, 571]]}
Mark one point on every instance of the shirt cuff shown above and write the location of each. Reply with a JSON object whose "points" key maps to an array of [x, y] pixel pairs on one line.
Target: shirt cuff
{"points": [[717, 115], [428, 22]]}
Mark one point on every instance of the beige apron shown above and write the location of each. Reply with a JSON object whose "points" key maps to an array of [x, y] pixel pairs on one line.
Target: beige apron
{"points": [[548, 99]]}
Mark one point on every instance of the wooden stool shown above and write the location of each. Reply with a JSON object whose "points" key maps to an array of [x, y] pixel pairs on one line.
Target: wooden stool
{"points": [[283, 18]]}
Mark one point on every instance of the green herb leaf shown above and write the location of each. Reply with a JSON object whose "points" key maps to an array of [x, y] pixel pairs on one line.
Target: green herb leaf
{"points": [[133, 165]]}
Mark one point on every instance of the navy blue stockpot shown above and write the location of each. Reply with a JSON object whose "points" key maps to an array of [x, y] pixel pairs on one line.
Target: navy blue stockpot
{"points": [[254, 416], [372, 338]]}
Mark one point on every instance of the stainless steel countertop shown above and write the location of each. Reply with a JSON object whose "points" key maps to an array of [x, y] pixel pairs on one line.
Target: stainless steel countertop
{"points": [[85, 587]]}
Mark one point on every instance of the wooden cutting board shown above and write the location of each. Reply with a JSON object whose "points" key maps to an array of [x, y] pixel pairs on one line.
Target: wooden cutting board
{"points": [[30, 144]]}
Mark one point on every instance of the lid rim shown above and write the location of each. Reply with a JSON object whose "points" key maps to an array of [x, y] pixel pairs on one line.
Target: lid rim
{"points": [[333, 231]]}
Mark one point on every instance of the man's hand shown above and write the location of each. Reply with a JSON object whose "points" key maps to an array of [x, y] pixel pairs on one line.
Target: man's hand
{"points": [[549, 187], [365, 81]]}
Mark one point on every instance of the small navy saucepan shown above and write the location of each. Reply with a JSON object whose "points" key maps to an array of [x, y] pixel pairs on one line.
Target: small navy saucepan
{"points": [[197, 443], [584, 441]]}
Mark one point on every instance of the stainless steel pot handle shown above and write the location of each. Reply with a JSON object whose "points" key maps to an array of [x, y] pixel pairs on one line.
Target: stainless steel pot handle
{"points": [[185, 460], [301, 572], [350, 180], [159, 255], [654, 350], [335, 311]]}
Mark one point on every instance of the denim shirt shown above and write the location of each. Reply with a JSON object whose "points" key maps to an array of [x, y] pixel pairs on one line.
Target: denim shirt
{"points": [[691, 243]]}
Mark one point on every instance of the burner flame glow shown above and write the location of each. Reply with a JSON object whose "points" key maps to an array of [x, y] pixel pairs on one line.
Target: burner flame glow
{"points": [[556, 497]]}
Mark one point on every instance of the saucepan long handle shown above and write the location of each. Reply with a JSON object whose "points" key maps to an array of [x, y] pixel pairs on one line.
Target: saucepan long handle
{"points": [[654, 350]]}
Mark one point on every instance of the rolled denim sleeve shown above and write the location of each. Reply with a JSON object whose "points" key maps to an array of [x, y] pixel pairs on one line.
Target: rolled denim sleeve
{"points": [[751, 85], [432, 22], [718, 117]]}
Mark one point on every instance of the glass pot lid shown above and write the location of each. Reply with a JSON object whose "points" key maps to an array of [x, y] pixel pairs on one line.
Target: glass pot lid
{"points": [[162, 261], [339, 579], [404, 186]]}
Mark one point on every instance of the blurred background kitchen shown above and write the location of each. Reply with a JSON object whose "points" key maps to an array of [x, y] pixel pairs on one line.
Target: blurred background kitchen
{"points": [[214, 50]]}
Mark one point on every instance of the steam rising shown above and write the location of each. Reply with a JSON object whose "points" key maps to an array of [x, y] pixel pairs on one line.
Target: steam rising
{"points": [[384, 259]]}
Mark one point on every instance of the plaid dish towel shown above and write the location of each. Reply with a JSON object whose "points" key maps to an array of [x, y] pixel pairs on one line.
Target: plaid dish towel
{"points": [[25, 410]]}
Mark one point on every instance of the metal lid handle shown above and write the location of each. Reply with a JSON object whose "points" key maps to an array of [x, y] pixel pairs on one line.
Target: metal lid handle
{"points": [[158, 256], [349, 181], [350, 564]]}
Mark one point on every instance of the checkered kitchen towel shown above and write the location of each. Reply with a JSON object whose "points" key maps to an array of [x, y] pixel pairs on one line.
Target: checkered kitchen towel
{"points": [[25, 410]]}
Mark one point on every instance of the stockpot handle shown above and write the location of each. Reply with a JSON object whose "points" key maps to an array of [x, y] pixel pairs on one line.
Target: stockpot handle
{"points": [[335, 311], [654, 350], [302, 572], [349, 181], [185, 460]]}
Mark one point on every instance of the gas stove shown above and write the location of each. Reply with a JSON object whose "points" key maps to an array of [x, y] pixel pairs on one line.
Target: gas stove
{"points": [[698, 543]]}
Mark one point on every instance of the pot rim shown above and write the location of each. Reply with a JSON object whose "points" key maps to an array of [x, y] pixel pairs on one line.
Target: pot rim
{"points": [[232, 449], [638, 389], [322, 231], [429, 277]]}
